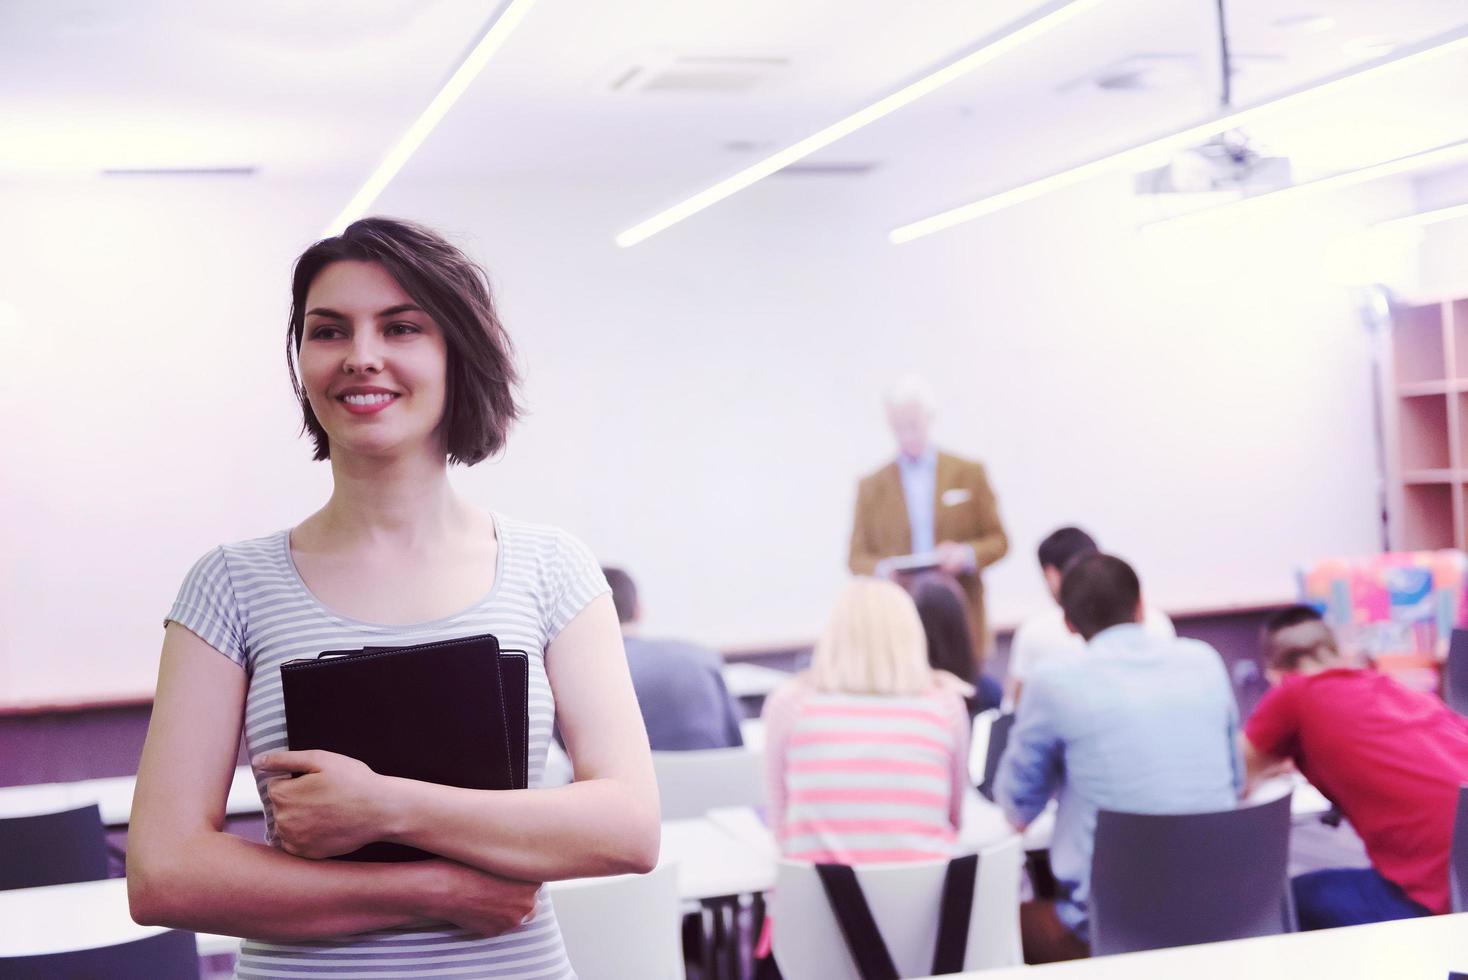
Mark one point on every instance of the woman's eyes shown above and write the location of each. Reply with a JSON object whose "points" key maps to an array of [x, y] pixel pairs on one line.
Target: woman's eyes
{"points": [[393, 330]]}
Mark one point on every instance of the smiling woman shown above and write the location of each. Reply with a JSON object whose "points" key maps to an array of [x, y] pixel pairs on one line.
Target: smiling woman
{"points": [[401, 367]]}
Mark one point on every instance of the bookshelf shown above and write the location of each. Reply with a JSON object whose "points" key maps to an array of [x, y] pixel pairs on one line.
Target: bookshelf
{"points": [[1425, 424]]}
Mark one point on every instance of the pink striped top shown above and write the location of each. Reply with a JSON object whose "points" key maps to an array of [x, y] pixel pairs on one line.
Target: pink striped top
{"points": [[863, 779]]}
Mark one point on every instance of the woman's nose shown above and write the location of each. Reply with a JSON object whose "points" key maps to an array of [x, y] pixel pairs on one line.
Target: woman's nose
{"points": [[364, 355]]}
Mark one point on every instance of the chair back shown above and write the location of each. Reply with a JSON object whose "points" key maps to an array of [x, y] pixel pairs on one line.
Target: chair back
{"points": [[998, 742], [1455, 673], [1458, 863], [693, 782], [1181, 879], [622, 926], [53, 848], [170, 955], [905, 900]]}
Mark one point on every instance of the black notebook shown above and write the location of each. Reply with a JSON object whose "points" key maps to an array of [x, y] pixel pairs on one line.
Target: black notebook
{"points": [[452, 712]]}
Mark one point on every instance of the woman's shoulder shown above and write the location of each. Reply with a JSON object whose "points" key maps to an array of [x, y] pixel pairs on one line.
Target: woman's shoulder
{"points": [[245, 552], [545, 543]]}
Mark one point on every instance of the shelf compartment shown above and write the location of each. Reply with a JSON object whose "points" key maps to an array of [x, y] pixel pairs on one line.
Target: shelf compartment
{"points": [[1460, 337], [1424, 432], [1427, 517], [1417, 344]]}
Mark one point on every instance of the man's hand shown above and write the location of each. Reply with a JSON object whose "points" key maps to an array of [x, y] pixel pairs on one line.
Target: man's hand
{"points": [[955, 558], [337, 805]]}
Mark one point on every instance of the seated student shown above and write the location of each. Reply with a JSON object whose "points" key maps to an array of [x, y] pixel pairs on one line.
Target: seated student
{"points": [[1136, 723], [680, 686], [1043, 636], [1391, 758], [944, 612], [866, 753]]}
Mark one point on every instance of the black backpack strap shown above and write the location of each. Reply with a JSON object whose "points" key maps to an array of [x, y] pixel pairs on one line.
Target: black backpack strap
{"points": [[954, 914], [854, 916]]}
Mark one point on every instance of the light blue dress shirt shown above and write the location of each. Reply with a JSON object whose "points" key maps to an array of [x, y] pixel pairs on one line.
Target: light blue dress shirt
{"points": [[920, 489], [1136, 723]]}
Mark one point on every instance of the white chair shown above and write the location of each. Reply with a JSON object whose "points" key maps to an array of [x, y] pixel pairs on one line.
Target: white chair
{"points": [[694, 782], [624, 926], [904, 899]]}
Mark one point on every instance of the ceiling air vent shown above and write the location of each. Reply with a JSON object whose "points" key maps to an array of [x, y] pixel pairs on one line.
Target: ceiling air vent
{"points": [[180, 171], [851, 169], [699, 74]]}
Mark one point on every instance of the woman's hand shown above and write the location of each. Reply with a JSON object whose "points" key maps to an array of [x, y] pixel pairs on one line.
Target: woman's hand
{"points": [[335, 806], [477, 901], [946, 681]]}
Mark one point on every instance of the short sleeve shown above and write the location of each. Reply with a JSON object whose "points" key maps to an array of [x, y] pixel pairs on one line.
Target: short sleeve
{"points": [[575, 579], [1274, 727], [206, 606]]}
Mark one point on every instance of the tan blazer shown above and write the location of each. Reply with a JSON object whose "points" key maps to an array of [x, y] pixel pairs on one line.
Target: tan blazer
{"points": [[965, 511]]}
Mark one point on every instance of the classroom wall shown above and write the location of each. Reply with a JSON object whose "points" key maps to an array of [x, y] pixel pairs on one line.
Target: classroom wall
{"points": [[699, 407]]}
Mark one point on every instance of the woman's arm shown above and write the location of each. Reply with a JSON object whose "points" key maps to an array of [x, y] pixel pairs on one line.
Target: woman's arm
{"points": [[606, 822], [779, 717], [185, 872]]}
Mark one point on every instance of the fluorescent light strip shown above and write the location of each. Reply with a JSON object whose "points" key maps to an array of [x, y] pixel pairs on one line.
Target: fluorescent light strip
{"points": [[1350, 178], [495, 33], [1426, 218], [1179, 139], [1020, 32]]}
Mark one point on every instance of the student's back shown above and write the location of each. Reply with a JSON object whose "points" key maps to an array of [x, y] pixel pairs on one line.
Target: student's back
{"points": [[680, 688], [865, 778], [866, 754]]}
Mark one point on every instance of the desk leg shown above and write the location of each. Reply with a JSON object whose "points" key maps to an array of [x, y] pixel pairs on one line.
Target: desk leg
{"points": [[707, 917]]}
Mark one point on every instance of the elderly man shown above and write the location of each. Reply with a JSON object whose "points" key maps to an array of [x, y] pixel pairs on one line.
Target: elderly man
{"points": [[927, 501]]}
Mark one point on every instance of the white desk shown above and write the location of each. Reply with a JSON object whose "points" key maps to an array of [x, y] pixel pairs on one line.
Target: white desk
{"points": [[753, 681], [1408, 949], [752, 731], [113, 796], [713, 863], [82, 915]]}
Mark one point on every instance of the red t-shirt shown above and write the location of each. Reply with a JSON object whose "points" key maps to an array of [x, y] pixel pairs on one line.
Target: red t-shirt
{"points": [[1392, 759]]}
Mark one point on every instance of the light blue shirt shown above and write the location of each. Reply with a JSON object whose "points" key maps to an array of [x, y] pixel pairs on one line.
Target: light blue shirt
{"points": [[920, 489], [1136, 723]]}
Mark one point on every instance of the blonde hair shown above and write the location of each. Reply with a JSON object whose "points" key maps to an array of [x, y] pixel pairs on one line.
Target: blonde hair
{"points": [[873, 643]]}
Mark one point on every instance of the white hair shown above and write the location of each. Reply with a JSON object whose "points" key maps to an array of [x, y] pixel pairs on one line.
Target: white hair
{"points": [[912, 389]]}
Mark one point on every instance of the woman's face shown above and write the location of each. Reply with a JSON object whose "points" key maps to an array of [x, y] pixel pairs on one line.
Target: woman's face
{"points": [[373, 363]]}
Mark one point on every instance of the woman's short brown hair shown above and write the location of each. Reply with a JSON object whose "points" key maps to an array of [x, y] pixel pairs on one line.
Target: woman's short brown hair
{"points": [[479, 398]]}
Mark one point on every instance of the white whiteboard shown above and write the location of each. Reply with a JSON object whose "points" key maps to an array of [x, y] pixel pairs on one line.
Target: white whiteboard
{"points": [[699, 407]]}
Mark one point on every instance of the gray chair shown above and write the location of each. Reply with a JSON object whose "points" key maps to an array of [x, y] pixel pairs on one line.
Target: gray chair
{"points": [[1458, 863], [998, 740], [1455, 673], [167, 956], [53, 848], [1175, 880]]}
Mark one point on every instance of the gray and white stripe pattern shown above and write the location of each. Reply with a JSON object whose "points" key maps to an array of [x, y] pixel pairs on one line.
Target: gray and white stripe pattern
{"points": [[248, 601]]}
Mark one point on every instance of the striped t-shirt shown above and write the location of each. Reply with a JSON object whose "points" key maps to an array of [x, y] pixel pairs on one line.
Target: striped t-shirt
{"points": [[865, 779], [248, 601]]}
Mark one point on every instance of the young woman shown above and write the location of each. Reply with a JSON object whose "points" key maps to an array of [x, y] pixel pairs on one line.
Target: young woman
{"points": [[867, 752], [402, 367], [943, 609]]}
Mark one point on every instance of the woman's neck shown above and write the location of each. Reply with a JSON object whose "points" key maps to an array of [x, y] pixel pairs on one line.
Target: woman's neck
{"points": [[403, 502]]}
